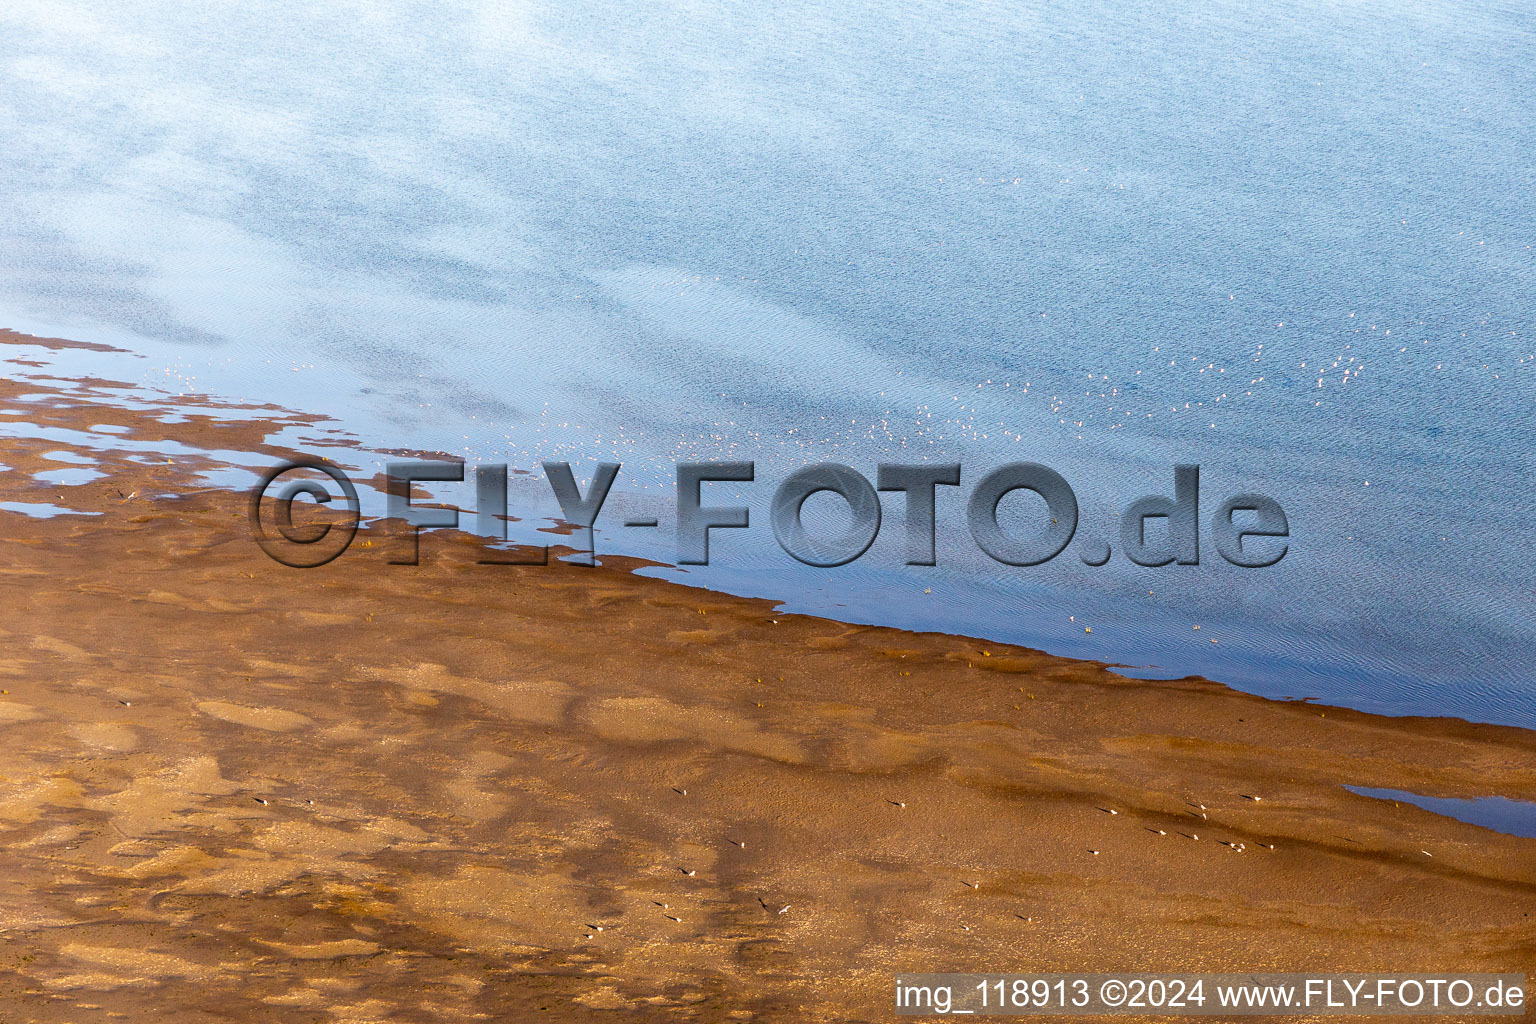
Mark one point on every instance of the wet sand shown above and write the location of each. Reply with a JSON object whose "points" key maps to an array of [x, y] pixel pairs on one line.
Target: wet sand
{"points": [[366, 792]]}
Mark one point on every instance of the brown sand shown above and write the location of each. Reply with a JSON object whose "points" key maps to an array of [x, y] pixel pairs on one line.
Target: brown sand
{"points": [[237, 791]]}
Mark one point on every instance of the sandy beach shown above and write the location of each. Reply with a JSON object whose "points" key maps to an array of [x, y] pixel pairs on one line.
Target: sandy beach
{"points": [[449, 792]]}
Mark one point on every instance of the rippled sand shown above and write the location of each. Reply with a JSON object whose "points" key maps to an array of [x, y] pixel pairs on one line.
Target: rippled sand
{"points": [[366, 792]]}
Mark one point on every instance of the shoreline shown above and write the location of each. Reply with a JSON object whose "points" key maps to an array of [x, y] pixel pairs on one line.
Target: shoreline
{"points": [[632, 563], [370, 789], [1138, 647]]}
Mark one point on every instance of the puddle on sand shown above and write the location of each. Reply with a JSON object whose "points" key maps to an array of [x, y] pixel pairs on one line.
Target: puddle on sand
{"points": [[74, 457], [71, 477], [1512, 817], [41, 509]]}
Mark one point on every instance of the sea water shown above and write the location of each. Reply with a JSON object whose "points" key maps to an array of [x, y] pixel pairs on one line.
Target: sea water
{"points": [[1289, 243]]}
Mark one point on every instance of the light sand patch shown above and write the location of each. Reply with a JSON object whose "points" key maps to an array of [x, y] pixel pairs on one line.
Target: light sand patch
{"points": [[179, 860], [135, 960], [271, 719], [543, 701], [319, 841], [604, 997], [324, 950], [311, 618], [63, 648], [11, 712], [845, 712], [267, 667], [57, 836], [105, 735], [196, 604], [472, 802], [369, 1011], [163, 800], [249, 872], [347, 732], [655, 719], [397, 829], [874, 749], [490, 760], [27, 802], [98, 980], [493, 909]]}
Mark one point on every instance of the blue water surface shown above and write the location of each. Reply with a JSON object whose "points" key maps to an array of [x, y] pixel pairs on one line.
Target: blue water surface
{"points": [[1291, 243], [1512, 817]]}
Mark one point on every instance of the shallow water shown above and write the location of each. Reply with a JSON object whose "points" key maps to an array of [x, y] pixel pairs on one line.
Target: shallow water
{"points": [[1291, 245], [1512, 817], [41, 509], [68, 477]]}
